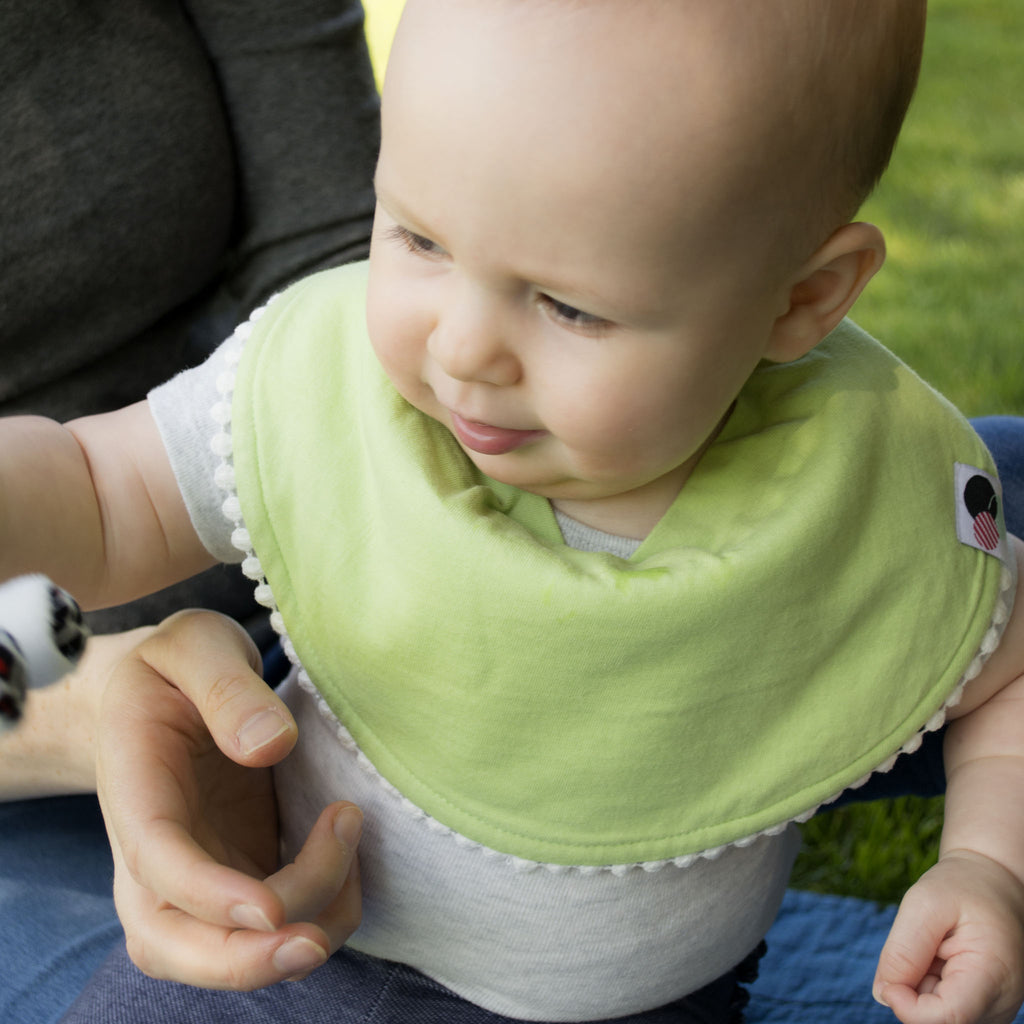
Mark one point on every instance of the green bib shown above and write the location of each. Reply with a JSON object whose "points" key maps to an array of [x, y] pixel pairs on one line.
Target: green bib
{"points": [[799, 615]]}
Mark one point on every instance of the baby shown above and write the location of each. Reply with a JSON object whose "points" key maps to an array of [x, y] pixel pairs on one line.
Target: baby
{"points": [[604, 547]]}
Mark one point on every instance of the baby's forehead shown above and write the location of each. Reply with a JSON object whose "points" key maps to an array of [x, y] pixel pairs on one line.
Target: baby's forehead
{"points": [[658, 44], [776, 114], [671, 69], [669, 86], [553, 142]]}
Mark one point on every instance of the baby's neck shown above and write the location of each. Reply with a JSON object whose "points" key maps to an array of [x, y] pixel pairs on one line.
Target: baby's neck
{"points": [[635, 513]]}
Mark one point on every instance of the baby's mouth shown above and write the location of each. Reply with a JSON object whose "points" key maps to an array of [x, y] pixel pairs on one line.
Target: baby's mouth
{"points": [[490, 440]]}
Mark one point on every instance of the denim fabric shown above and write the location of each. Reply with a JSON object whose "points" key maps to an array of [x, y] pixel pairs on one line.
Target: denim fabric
{"points": [[1004, 436], [350, 988], [57, 918]]}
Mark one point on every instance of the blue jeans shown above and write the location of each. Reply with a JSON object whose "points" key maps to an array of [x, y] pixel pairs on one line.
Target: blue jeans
{"points": [[57, 919], [349, 989], [1004, 436]]}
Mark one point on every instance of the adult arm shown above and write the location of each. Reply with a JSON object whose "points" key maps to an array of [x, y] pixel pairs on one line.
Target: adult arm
{"points": [[302, 111], [52, 752], [171, 166]]}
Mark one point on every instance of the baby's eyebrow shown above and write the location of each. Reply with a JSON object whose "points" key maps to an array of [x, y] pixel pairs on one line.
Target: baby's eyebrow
{"points": [[380, 189], [395, 209]]}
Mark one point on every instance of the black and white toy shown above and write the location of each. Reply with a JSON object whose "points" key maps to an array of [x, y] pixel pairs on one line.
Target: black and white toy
{"points": [[42, 636]]}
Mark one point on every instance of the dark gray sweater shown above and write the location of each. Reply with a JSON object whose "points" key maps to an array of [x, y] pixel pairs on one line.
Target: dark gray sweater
{"points": [[164, 167]]}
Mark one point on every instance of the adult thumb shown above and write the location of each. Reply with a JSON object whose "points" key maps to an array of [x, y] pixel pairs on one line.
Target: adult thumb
{"points": [[215, 664]]}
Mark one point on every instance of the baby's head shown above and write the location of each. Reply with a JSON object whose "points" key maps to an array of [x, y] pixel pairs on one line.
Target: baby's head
{"points": [[596, 218]]}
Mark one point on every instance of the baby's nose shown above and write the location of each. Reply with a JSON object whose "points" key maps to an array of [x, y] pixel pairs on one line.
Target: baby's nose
{"points": [[474, 349]]}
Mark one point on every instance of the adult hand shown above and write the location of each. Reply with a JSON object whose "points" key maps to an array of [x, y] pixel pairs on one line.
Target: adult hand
{"points": [[189, 732]]}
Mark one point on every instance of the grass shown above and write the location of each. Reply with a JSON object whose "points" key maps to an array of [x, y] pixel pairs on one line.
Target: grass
{"points": [[873, 851], [950, 301]]}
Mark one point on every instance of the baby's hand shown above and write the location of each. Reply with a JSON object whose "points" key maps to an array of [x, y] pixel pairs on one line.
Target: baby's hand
{"points": [[955, 954], [186, 737]]}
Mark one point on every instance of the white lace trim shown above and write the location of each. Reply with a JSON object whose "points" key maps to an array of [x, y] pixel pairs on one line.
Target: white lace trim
{"points": [[224, 476]]}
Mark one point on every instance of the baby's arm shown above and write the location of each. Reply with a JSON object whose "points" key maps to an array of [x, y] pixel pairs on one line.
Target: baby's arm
{"points": [[94, 505], [956, 949]]}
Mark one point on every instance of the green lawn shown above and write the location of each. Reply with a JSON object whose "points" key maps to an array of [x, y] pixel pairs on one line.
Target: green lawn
{"points": [[950, 301]]}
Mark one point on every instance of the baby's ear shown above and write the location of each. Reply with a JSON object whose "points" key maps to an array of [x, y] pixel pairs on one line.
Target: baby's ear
{"points": [[826, 288]]}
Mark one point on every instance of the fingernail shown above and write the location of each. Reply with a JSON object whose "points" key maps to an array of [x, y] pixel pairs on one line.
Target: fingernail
{"points": [[348, 826], [261, 729], [246, 915], [298, 955]]}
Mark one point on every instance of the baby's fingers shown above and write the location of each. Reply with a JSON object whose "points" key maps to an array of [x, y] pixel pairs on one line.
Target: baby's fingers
{"points": [[952, 992], [954, 954], [909, 953], [909, 968], [926, 976]]}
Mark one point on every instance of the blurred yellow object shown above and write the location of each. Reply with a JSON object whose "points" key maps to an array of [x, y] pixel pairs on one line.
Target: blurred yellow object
{"points": [[381, 19]]}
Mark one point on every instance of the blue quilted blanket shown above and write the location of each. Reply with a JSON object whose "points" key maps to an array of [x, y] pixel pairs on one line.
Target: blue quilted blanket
{"points": [[821, 958]]}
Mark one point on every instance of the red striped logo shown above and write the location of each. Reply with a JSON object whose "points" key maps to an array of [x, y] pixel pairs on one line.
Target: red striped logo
{"points": [[986, 532], [978, 522]]}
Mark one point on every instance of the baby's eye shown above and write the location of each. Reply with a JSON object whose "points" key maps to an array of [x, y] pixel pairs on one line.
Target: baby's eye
{"points": [[573, 317], [414, 243]]}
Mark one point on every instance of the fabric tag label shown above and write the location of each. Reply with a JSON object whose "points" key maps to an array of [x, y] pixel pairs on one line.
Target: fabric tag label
{"points": [[979, 519]]}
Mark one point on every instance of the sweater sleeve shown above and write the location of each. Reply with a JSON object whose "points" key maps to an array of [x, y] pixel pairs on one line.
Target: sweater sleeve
{"points": [[303, 114]]}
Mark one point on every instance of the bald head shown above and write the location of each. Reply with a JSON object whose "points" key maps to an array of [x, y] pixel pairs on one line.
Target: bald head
{"points": [[837, 80], [772, 118]]}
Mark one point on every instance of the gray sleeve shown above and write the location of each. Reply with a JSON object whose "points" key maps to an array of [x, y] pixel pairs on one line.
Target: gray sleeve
{"points": [[184, 412], [166, 168], [303, 113]]}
